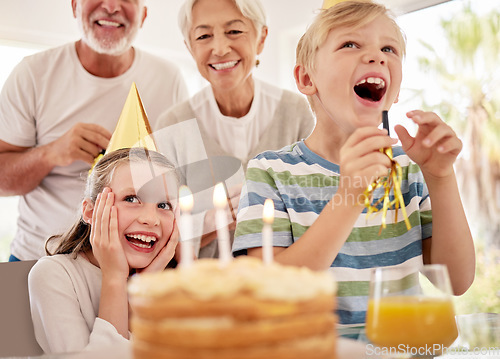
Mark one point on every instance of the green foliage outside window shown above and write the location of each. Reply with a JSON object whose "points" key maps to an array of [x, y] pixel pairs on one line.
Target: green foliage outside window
{"points": [[467, 74]]}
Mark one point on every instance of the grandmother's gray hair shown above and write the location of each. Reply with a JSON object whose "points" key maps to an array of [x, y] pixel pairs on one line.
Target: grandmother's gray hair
{"points": [[251, 9]]}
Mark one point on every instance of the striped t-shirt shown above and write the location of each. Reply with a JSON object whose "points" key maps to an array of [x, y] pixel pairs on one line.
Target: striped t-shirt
{"points": [[301, 183]]}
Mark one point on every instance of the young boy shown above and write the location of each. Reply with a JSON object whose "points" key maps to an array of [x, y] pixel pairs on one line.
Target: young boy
{"points": [[349, 64]]}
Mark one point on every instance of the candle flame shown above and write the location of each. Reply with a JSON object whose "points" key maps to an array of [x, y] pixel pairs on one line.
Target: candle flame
{"points": [[185, 199], [268, 211], [220, 198]]}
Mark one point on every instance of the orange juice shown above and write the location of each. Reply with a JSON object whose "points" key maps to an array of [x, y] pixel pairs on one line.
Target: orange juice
{"points": [[411, 321]]}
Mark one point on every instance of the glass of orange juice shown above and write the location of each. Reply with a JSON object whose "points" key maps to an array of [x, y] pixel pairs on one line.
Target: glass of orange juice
{"points": [[410, 311]]}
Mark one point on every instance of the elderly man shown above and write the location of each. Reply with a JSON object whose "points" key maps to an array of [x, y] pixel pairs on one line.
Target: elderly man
{"points": [[59, 107]]}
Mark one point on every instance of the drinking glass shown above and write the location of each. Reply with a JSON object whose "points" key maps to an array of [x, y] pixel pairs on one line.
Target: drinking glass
{"points": [[410, 310]]}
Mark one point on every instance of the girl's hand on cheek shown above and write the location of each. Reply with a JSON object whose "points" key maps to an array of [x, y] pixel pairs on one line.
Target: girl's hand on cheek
{"points": [[435, 146], [105, 240], [165, 255]]}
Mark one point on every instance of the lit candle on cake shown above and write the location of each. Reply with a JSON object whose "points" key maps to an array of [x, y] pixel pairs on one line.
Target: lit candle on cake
{"points": [[186, 226], [267, 231], [220, 203]]}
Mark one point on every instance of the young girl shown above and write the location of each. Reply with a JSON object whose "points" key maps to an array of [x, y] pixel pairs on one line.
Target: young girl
{"points": [[78, 293]]}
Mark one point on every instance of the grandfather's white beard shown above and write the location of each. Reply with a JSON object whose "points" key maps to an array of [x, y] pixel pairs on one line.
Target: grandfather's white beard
{"points": [[104, 45]]}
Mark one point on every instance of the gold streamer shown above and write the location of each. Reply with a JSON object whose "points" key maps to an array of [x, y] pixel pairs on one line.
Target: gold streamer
{"points": [[392, 181]]}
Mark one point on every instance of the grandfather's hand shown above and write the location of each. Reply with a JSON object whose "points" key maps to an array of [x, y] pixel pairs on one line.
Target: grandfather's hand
{"points": [[84, 141]]}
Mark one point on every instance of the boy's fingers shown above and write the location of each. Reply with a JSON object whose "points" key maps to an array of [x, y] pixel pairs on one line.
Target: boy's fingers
{"points": [[424, 118], [377, 159], [370, 145], [419, 114], [451, 145], [374, 172], [363, 133], [438, 134], [404, 136], [375, 164]]}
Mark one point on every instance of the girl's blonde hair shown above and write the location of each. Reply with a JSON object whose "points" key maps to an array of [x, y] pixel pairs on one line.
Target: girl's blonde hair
{"points": [[77, 238]]}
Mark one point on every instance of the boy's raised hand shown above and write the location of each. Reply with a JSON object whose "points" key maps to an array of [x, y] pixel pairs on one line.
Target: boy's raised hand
{"points": [[361, 161], [435, 146], [106, 245]]}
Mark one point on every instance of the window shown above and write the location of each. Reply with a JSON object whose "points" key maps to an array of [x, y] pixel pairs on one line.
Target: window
{"points": [[12, 54]]}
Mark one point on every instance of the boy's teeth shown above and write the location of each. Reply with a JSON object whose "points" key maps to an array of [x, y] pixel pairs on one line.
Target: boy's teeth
{"points": [[143, 237], [108, 23], [373, 80], [225, 65]]}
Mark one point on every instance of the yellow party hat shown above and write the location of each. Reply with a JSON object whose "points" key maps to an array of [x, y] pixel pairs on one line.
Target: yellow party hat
{"points": [[133, 129], [329, 3]]}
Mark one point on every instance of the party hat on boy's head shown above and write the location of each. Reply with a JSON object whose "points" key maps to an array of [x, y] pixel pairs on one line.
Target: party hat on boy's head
{"points": [[133, 129]]}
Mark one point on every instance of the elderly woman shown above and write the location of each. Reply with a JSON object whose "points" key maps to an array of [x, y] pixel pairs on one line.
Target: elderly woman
{"points": [[237, 115]]}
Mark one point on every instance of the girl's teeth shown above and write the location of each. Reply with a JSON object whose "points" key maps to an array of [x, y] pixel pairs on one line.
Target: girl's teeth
{"points": [[142, 245], [143, 238]]}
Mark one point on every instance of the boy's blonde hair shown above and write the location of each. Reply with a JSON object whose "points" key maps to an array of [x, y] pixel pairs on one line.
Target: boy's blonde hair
{"points": [[354, 14]]}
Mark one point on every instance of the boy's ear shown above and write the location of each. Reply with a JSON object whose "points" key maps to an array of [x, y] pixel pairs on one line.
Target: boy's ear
{"points": [[303, 80], [87, 210], [397, 98]]}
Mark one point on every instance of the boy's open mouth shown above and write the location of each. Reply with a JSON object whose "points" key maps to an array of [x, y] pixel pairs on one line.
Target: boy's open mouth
{"points": [[371, 89]]}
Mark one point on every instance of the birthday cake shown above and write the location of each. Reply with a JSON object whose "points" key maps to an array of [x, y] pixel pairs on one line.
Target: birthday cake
{"points": [[243, 310]]}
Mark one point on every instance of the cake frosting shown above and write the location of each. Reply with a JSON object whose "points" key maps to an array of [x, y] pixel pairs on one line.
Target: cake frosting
{"points": [[246, 274], [242, 310]]}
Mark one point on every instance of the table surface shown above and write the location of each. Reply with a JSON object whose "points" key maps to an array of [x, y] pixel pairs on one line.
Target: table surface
{"points": [[346, 349]]}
